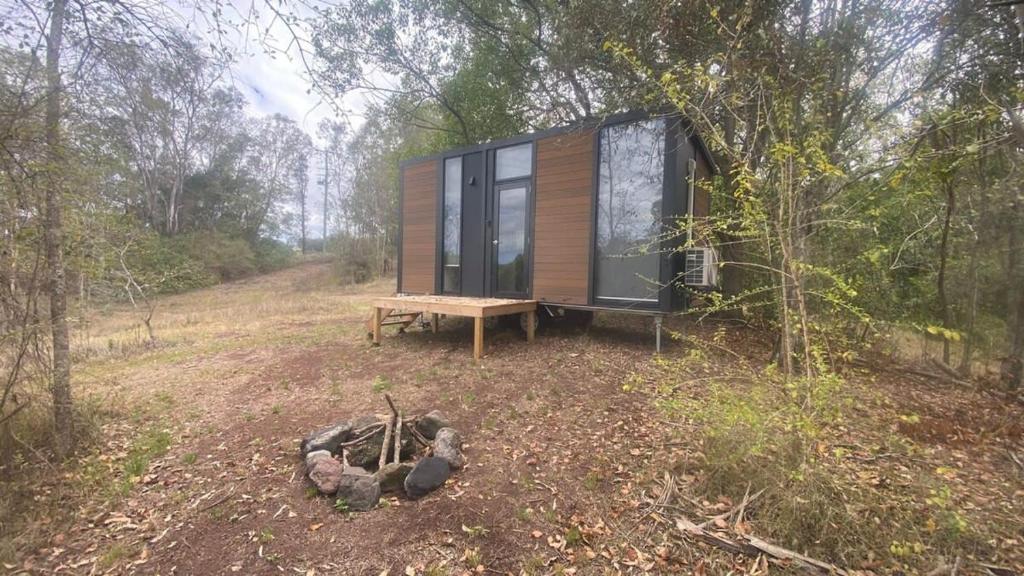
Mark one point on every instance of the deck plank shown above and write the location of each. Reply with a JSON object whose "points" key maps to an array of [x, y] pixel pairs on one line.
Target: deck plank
{"points": [[457, 305]]}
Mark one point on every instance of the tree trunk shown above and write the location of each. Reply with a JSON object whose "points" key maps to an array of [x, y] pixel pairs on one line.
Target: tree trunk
{"points": [[1015, 273], [63, 414], [972, 309], [302, 205], [947, 319]]}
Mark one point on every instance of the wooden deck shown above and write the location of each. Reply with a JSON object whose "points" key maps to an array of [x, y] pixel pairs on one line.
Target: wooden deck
{"points": [[475, 308]]}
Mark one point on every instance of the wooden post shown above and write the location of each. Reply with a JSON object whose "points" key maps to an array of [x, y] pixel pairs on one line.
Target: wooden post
{"points": [[531, 324], [377, 319], [478, 337], [434, 318]]}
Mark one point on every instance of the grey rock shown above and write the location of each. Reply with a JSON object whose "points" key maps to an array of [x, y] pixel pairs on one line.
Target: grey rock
{"points": [[326, 438], [367, 452], [448, 445], [326, 474], [359, 489], [430, 423], [392, 476], [428, 475], [315, 455]]}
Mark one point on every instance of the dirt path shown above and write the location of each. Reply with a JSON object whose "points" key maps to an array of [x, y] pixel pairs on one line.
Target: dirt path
{"points": [[561, 452], [244, 370]]}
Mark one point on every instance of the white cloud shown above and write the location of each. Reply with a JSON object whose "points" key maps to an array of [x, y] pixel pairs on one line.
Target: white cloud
{"points": [[269, 71]]}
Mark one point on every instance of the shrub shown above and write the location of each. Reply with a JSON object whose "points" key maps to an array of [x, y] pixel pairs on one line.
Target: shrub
{"points": [[161, 266], [356, 260], [224, 257], [272, 255]]}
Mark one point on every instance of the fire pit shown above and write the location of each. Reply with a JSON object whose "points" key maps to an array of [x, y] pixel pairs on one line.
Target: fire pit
{"points": [[355, 461]]}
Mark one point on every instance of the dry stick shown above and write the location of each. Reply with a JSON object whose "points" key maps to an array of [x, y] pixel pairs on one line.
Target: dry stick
{"points": [[386, 445], [374, 428], [753, 546], [1016, 459], [747, 499], [416, 434], [218, 501], [398, 437], [782, 553], [391, 403]]}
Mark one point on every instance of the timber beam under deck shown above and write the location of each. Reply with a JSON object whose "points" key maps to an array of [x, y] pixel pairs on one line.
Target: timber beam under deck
{"points": [[475, 308]]}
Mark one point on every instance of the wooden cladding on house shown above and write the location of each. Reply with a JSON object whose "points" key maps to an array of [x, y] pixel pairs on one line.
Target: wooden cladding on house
{"points": [[564, 194], [419, 227]]}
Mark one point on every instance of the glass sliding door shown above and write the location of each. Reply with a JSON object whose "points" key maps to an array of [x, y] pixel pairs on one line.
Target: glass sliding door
{"points": [[631, 176], [451, 279]]}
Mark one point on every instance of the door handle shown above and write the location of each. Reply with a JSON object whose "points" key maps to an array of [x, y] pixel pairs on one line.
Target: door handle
{"points": [[495, 242]]}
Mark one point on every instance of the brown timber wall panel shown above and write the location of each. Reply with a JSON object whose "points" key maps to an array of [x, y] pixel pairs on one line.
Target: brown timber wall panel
{"points": [[561, 251], [419, 226]]}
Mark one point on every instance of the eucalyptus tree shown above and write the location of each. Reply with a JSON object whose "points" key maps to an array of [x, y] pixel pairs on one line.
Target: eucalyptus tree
{"points": [[278, 147], [167, 100]]}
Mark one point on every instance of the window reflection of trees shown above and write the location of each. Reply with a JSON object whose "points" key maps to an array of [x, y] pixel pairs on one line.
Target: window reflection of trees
{"points": [[512, 240], [630, 182], [452, 223]]}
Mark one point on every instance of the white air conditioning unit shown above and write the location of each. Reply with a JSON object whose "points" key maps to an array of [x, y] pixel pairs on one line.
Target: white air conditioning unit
{"points": [[700, 267]]}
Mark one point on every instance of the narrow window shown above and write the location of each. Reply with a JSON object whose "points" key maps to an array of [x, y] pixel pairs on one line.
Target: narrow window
{"points": [[451, 243], [630, 183], [514, 162]]}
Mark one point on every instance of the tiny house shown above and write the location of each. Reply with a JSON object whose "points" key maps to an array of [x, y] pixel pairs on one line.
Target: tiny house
{"points": [[578, 217]]}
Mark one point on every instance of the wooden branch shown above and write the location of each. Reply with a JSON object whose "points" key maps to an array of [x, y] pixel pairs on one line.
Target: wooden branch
{"points": [[1016, 460], [947, 369], [391, 403], [385, 446], [398, 438], [416, 434], [800, 559], [374, 428], [753, 546]]}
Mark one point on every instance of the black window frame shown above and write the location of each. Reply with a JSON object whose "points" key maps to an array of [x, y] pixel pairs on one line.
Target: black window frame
{"points": [[671, 188]]}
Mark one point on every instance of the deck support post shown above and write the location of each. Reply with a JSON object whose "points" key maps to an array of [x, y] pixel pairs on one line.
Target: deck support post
{"points": [[378, 317], [433, 322], [478, 337], [657, 334], [531, 324]]}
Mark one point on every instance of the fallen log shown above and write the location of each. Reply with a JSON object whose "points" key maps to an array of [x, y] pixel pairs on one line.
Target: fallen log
{"points": [[753, 546]]}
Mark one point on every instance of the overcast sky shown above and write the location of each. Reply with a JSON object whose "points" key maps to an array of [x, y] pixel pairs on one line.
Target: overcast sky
{"points": [[269, 69], [270, 73]]}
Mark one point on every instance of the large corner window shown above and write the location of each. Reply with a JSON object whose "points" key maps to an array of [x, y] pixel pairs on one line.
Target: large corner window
{"points": [[630, 183], [451, 242]]}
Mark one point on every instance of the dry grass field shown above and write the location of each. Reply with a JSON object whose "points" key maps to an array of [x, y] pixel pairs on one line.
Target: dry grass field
{"points": [[571, 443]]}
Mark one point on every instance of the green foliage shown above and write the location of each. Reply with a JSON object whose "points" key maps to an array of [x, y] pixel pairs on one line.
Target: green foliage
{"points": [[271, 255], [223, 257], [381, 384], [151, 444]]}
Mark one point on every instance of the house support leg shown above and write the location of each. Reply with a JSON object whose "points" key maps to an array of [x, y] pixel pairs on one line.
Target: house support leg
{"points": [[478, 338], [531, 324], [378, 317], [657, 334], [433, 322]]}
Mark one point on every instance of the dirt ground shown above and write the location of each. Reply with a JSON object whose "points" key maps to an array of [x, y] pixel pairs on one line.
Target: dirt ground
{"points": [[562, 453]]}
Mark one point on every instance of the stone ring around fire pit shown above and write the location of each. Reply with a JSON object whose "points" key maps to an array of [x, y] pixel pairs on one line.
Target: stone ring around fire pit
{"points": [[356, 461]]}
